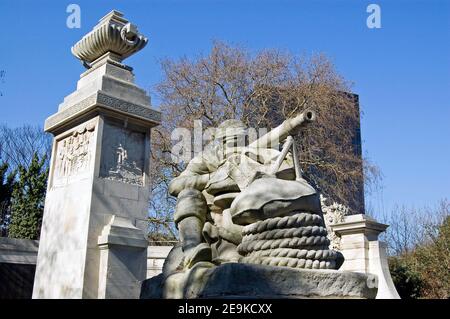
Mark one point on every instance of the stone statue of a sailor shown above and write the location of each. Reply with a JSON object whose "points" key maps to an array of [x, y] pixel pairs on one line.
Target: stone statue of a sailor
{"points": [[250, 224], [211, 181], [192, 210]]}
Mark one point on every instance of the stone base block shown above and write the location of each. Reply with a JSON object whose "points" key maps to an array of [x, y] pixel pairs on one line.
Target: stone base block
{"points": [[237, 280]]}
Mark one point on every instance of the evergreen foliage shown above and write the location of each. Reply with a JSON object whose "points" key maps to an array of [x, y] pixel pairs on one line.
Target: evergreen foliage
{"points": [[7, 181], [28, 197]]}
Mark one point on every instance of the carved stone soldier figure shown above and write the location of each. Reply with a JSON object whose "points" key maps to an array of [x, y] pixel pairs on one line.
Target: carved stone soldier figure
{"points": [[207, 186], [192, 209]]}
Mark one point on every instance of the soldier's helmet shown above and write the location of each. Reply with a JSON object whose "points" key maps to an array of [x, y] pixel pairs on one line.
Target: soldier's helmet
{"points": [[231, 131]]}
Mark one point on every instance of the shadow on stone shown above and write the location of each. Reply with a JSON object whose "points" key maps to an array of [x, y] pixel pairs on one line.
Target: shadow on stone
{"points": [[238, 280]]}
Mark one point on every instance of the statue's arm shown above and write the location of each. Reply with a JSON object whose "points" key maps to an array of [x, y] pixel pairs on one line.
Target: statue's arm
{"points": [[181, 182], [196, 175]]}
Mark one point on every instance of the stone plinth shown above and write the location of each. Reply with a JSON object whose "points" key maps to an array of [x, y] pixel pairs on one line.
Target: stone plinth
{"points": [[18, 251], [156, 255], [364, 253], [98, 184], [237, 280]]}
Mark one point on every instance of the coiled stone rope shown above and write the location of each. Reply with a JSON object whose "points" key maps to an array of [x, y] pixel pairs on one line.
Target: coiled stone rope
{"points": [[297, 220], [323, 254], [298, 241], [288, 233], [294, 242], [291, 262]]}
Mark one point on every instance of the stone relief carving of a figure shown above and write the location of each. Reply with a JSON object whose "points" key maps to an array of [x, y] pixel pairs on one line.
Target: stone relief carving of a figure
{"points": [[122, 155], [73, 154]]}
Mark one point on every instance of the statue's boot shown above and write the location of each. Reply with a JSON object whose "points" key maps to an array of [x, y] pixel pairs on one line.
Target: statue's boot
{"points": [[201, 252], [194, 249]]}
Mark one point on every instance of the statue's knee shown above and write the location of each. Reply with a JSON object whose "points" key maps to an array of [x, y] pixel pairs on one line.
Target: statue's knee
{"points": [[191, 203], [190, 193]]}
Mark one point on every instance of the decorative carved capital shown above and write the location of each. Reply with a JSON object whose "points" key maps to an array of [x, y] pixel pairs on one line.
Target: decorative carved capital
{"points": [[113, 36]]}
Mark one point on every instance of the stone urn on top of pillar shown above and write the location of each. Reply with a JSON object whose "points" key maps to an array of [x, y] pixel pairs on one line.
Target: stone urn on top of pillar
{"points": [[93, 240]]}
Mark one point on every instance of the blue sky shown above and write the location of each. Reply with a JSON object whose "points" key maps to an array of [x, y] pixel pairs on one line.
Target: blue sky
{"points": [[401, 71]]}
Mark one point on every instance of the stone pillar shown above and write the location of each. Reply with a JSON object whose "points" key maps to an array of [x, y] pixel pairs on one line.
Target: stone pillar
{"points": [[95, 219], [364, 253]]}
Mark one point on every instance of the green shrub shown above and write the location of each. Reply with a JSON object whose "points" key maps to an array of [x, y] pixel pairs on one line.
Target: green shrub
{"points": [[407, 281]]}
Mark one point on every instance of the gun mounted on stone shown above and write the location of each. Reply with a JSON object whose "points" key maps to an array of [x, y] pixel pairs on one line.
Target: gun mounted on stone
{"points": [[283, 133], [285, 129]]}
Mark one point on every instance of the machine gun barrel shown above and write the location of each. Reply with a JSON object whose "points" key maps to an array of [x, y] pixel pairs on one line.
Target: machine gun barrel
{"points": [[281, 132]]}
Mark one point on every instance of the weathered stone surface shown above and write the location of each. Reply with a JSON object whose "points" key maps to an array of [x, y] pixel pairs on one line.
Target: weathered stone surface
{"points": [[236, 280]]}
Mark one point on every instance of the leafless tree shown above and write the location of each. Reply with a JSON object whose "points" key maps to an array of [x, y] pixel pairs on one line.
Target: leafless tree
{"points": [[261, 90], [17, 145], [410, 227]]}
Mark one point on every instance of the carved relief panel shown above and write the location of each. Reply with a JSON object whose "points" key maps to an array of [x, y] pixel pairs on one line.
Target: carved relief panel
{"points": [[73, 153], [123, 154]]}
